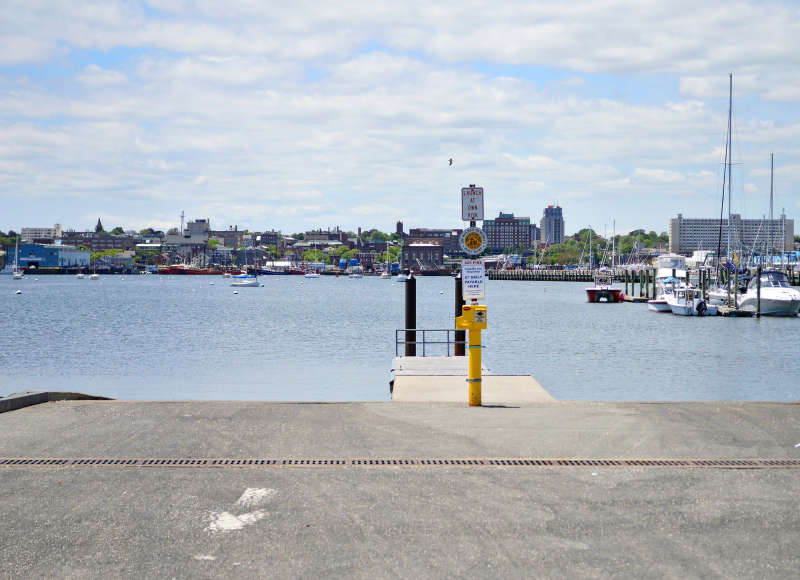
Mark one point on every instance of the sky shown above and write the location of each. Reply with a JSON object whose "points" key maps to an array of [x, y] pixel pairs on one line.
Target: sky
{"points": [[300, 115]]}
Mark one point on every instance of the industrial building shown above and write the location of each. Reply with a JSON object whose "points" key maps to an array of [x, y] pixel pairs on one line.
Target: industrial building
{"points": [[50, 257]]}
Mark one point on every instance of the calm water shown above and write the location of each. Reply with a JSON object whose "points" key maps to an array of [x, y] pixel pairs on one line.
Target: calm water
{"points": [[332, 339]]}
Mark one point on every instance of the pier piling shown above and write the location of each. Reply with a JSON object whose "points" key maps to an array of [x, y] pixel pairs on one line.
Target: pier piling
{"points": [[411, 316], [460, 335]]}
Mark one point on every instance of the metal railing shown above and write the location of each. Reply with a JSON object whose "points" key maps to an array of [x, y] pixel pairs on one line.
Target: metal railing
{"points": [[400, 339]]}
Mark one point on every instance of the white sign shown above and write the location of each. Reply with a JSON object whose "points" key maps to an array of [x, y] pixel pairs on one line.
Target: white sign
{"points": [[473, 279], [471, 203]]}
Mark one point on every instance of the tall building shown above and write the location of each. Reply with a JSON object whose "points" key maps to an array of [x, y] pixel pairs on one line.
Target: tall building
{"points": [[507, 232], [689, 234], [552, 226]]}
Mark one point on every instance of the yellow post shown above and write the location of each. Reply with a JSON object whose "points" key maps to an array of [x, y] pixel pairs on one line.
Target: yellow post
{"points": [[473, 319], [474, 374]]}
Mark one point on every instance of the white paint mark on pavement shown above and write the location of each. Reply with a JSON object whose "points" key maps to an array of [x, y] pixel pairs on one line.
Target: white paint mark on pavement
{"points": [[254, 496], [201, 557], [226, 521]]}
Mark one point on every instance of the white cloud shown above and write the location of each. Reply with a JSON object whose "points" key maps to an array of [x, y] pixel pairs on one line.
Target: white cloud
{"points": [[333, 113]]}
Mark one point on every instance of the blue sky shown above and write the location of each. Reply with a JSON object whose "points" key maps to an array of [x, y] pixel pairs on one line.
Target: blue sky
{"points": [[304, 115]]}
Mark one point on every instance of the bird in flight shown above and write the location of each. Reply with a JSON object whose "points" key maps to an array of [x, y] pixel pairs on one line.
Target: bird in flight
{"points": [[451, 161]]}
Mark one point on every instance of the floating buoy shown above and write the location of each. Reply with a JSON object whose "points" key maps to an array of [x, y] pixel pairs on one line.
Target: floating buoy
{"points": [[18, 292], [235, 291], [210, 283], [441, 291], [262, 285]]}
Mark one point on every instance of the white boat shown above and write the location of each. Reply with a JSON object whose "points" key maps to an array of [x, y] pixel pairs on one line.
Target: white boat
{"points": [[688, 301], [664, 288], [79, 275], [355, 272], [385, 275], [245, 281], [311, 275], [778, 298]]}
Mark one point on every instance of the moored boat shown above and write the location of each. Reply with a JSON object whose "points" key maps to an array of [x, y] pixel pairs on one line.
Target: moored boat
{"points": [[604, 291], [688, 301], [778, 298]]}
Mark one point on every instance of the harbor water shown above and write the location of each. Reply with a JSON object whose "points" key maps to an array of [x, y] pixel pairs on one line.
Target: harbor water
{"points": [[333, 339]]}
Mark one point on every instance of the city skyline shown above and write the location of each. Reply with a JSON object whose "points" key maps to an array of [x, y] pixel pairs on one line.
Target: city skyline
{"points": [[300, 117]]}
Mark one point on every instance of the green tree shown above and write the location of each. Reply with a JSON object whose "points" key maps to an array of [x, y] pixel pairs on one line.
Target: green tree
{"points": [[213, 243], [147, 232], [118, 231], [172, 231]]}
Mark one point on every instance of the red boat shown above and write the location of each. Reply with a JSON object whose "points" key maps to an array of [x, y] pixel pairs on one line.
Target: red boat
{"points": [[603, 291]]}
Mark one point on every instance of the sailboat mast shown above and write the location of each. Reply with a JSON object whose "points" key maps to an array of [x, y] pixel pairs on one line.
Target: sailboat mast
{"points": [[771, 236], [730, 154]]}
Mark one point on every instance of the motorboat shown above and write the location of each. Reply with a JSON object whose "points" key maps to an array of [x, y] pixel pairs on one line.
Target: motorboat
{"points": [[604, 291], [94, 276], [245, 281], [79, 275], [311, 275], [688, 301], [778, 298], [664, 288]]}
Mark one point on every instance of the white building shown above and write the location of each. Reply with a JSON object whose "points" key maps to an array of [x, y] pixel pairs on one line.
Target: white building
{"points": [[687, 235], [30, 234]]}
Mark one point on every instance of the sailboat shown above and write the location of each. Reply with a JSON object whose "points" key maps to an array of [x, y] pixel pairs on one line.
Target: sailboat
{"points": [[245, 280], [17, 271], [722, 295], [313, 273]]}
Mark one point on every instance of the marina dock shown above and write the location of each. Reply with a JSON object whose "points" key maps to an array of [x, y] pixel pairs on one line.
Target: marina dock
{"points": [[552, 489]]}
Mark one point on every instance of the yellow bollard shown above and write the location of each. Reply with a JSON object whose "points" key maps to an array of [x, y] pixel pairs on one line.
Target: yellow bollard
{"points": [[474, 374], [473, 319]]}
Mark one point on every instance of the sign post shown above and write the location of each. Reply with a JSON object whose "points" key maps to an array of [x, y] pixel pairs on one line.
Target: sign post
{"points": [[473, 287]]}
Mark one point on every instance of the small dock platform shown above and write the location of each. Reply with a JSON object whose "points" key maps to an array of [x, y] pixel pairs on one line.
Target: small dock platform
{"points": [[636, 299], [736, 312], [443, 380]]}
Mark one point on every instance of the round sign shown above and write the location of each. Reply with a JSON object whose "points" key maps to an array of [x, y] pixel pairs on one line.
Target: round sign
{"points": [[472, 241]]}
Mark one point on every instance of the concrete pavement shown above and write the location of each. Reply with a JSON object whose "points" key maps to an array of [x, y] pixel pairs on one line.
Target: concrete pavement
{"points": [[399, 521]]}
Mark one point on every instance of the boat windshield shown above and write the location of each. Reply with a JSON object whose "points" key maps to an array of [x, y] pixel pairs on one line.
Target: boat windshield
{"points": [[771, 279]]}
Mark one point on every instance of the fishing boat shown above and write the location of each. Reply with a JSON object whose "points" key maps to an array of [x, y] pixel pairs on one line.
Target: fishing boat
{"points": [[688, 301], [603, 290], [778, 298]]}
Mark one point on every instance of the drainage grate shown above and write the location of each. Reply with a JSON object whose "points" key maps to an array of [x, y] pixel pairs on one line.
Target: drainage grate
{"points": [[395, 462]]}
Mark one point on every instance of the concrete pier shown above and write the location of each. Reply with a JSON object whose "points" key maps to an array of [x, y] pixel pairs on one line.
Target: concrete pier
{"points": [[99, 489]]}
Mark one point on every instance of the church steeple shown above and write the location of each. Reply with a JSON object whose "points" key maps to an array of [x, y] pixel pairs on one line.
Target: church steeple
{"points": [[99, 227]]}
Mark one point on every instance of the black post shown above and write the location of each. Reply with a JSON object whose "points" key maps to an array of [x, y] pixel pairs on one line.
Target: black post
{"points": [[758, 292], [411, 316], [460, 335]]}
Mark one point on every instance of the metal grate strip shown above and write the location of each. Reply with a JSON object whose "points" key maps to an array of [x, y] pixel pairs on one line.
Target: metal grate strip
{"points": [[712, 463]]}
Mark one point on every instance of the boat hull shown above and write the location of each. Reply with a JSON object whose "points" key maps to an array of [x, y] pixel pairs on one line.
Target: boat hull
{"points": [[771, 307], [658, 306], [609, 295]]}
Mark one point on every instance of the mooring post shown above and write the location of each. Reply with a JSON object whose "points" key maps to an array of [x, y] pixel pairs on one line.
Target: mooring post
{"points": [[758, 292], [626, 283], [736, 290], [460, 335], [411, 316]]}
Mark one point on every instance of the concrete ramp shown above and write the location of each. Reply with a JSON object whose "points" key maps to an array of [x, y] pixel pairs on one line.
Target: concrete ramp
{"points": [[443, 380]]}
